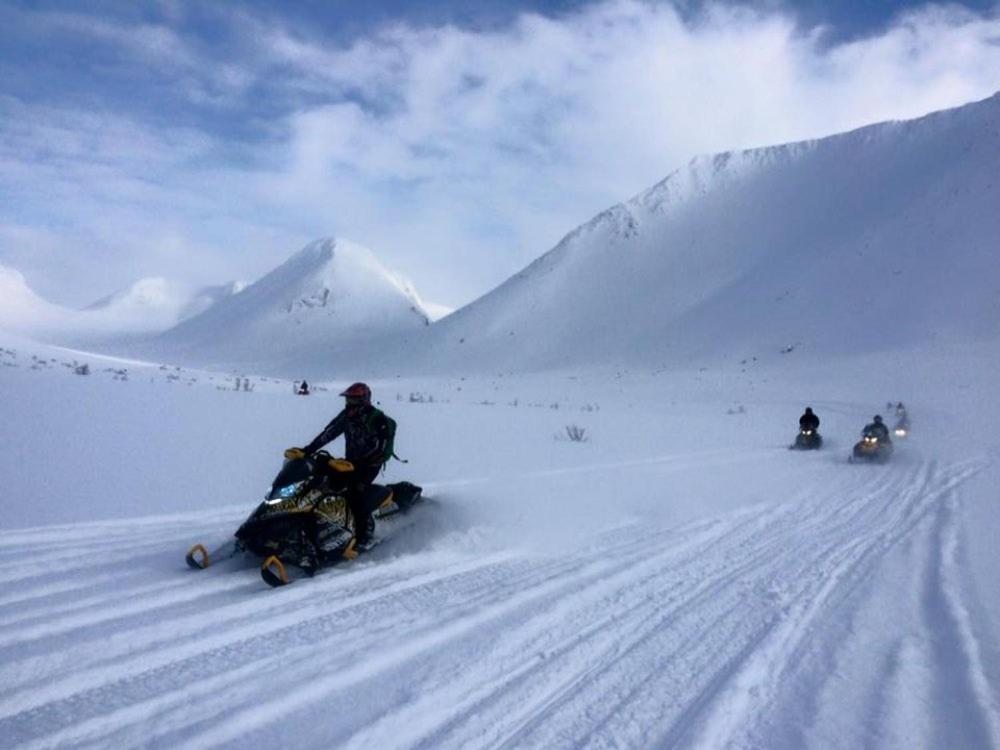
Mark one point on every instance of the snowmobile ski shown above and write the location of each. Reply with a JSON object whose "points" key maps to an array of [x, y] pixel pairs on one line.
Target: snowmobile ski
{"points": [[277, 573], [199, 557], [274, 573]]}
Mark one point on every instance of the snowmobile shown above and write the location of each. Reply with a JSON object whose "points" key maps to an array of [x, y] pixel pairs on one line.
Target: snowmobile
{"points": [[808, 439], [902, 427], [305, 520], [872, 448]]}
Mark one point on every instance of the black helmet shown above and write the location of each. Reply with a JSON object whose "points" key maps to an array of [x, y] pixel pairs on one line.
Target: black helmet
{"points": [[809, 410], [878, 419], [358, 393]]}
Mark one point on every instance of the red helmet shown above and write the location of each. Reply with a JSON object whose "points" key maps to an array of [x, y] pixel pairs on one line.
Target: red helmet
{"points": [[358, 393]]}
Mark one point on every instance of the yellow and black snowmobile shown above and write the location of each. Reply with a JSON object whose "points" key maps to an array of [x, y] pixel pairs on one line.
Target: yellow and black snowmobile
{"points": [[305, 520]]}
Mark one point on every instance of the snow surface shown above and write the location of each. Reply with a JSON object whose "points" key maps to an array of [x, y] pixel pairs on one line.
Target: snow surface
{"points": [[678, 579]]}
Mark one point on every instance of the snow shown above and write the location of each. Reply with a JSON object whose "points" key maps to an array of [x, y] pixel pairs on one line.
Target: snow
{"points": [[676, 578]]}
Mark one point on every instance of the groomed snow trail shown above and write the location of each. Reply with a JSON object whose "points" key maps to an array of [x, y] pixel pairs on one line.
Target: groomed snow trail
{"points": [[751, 629]]}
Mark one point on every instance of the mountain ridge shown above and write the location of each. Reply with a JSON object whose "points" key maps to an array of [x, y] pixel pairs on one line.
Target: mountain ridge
{"points": [[670, 274]]}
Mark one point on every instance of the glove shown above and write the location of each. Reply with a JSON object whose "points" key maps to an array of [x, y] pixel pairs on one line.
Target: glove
{"points": [[293, 453]]}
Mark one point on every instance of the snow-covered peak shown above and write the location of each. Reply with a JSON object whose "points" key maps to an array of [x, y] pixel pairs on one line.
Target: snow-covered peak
{"points": [[156, 304], [150, 304], [154, 292], [340, 276], [331, 296]]}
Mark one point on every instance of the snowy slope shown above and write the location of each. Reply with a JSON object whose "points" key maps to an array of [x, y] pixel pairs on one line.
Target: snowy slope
{"points": [[331, 299], [680, 579], [881, 238], [147, 306], [23, 311], [156, 304]]}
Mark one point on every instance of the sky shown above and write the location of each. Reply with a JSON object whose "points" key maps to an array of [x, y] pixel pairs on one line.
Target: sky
{"points": [[459, 141]]}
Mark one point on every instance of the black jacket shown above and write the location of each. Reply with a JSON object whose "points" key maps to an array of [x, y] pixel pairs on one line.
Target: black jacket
{"points": [[809, 422], [366, 436], [878, 429]]}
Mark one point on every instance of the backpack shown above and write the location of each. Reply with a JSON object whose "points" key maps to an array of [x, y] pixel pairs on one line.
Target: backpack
{"points": [[388, 450]]}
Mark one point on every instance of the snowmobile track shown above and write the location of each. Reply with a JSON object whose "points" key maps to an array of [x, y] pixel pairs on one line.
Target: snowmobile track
{"points": [[717, 633]]}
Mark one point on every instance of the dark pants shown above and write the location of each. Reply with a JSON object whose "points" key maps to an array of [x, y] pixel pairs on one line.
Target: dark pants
{"points": [[360, 482]]}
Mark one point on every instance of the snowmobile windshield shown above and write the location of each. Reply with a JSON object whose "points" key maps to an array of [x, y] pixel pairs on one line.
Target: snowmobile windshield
{"points": [[292, 474]]}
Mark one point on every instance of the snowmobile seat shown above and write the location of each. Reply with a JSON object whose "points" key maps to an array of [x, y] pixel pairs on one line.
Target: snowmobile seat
{"points": [[405, 494], [375, 495]]}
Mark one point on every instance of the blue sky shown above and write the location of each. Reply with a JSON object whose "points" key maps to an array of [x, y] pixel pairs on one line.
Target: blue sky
{"points": [[206, 142]]}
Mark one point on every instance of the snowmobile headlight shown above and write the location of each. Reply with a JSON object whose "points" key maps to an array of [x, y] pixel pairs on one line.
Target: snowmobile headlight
{"points": [[900, 432], [283, 493]]}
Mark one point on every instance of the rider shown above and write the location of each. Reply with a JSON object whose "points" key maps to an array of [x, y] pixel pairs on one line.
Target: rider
{"points": [[809, 421], [877, 428], [367, 434]]}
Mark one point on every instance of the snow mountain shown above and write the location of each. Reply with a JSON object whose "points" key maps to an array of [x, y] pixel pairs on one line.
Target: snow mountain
{"points": [[886, 237], [156, 304], [24, 312], [331, 302], [148, 306]]}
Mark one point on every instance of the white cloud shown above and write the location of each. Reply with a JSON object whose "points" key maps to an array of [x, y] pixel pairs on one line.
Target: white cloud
{"points": [[459, 156], [509, 138]]}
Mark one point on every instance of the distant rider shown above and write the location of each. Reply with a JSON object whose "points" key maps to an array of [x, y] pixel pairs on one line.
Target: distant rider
{"points": [[367, 438], [304, 389], [809, 421], [902, 420], [877, 429]]}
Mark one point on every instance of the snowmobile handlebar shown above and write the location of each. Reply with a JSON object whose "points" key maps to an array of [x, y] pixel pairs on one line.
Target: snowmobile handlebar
{"points": [[339, 465]]}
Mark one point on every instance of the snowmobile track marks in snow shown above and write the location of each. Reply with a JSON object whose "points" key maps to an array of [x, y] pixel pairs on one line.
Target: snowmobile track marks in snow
{"points": [[707, 633]]}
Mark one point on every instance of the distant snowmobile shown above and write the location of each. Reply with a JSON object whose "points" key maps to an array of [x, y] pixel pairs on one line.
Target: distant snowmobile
{"points": [[902, 427], [305, 520], [872, 447], [807, 439]]}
